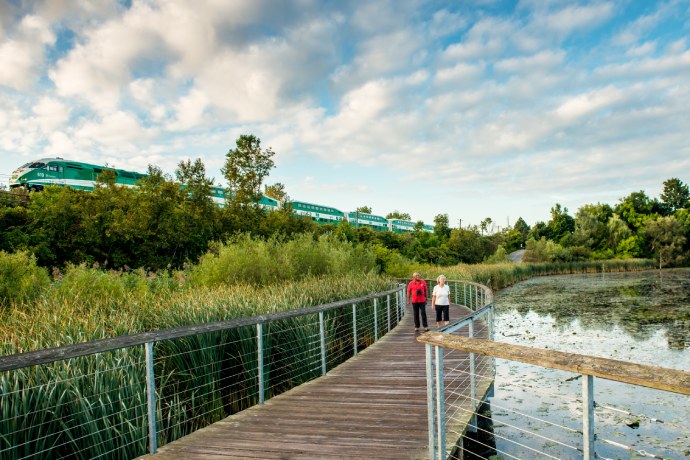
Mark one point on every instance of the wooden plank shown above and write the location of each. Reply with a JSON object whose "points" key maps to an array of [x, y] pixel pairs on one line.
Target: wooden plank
{"points": [[660, 378]]}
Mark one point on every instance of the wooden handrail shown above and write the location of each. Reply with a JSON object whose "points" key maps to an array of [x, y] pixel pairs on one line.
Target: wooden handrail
{"points": [[660, 378]]}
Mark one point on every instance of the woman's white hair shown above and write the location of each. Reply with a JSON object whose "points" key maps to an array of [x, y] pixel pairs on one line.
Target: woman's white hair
{"points": [[438, 280]]}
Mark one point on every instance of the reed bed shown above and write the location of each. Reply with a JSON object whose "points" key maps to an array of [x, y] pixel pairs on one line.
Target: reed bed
{"points": [[95, 406], [500, 275]]}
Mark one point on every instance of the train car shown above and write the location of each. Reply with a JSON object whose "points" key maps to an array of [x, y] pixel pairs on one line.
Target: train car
{"points": [[360, 219], [428, 228], [317, 213], [400, 226], [35, 175]]}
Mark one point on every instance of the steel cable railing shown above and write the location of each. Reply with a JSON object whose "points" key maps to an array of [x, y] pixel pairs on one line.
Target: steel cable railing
{"points": [[512, 433], [122, 397]]}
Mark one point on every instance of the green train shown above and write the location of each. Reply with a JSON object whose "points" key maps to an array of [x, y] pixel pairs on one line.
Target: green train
{"points": [[35, 175]]}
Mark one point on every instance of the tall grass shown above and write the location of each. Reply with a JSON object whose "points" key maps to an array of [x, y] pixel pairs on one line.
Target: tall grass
{"points": [[94, 406], [498, 276]]}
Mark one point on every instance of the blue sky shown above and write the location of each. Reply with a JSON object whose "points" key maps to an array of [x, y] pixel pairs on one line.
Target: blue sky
{"points": [[475, 109]]}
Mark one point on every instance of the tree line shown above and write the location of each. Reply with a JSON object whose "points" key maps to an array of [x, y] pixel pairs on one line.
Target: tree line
{"points": [[164, 224]]}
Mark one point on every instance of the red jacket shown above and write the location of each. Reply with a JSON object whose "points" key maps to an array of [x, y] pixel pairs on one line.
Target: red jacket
{"points": [[417, 291]]}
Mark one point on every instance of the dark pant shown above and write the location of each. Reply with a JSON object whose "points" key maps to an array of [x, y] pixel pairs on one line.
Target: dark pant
{"points": [[442, 311], [419, 307]]}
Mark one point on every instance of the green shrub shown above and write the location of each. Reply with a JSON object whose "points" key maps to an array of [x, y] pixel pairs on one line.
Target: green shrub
{"points": [[21, 280], [246, 259]]}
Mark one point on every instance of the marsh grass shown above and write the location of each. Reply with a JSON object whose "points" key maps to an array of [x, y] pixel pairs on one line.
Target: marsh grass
{"points": [[505, 274], [95, 406]]}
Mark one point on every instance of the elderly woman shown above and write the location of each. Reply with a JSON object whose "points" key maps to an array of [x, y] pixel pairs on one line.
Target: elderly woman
{"points": [[440, 300]]}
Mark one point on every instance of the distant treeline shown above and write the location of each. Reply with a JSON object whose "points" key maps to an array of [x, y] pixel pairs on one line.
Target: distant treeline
{"points": [[158, 226]]}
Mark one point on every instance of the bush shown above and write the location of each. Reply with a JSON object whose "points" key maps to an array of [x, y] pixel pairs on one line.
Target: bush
{"points": [[21, 280], [246, 259]]}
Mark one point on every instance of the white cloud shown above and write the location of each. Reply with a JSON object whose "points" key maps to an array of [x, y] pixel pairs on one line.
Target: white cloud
{"points": [[50, 114], [117, 131], [588, 103], [539, 62], [21, 55], [572, 18]]}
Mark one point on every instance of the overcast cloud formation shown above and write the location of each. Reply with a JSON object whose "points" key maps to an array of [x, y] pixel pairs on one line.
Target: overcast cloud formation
{"points": [[475, 109]]}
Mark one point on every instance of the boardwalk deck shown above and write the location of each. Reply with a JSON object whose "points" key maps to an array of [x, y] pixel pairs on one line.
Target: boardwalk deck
{"points": [[372, 406]]}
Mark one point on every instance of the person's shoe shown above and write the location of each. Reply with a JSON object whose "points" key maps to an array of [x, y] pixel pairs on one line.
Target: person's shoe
{"points": [[426, 329], [416, 329]]}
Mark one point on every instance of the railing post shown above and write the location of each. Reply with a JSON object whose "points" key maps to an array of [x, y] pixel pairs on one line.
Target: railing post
{"points": [[455, 289], [260, 359], [354, 326], [376, 321], [151, 398], [440, 403], [388, 311], [430, 403], [473, 383], [464, 294], [322, 330], [588, 417]]}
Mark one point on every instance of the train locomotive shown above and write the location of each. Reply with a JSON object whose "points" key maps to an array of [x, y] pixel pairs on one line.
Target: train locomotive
{"points": [[35, 175]]}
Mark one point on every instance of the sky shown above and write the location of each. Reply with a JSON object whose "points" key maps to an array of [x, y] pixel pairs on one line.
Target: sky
{"points": [[474, 109]]}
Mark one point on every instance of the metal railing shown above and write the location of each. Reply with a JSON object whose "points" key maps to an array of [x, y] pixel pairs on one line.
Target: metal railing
{"points": [[454, 395], [474, 296], [439, 344], [124, 396]]}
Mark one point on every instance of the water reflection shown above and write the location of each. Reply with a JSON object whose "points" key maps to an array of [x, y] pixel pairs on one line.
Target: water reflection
{"points": [[640, 304]]}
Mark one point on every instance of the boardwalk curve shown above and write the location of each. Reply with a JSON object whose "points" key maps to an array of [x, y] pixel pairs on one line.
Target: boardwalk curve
{"points": [[372, 406]]}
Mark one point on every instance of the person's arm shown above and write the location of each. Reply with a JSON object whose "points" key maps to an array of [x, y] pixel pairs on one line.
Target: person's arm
{"points": [[433, 298], [409, 293]]}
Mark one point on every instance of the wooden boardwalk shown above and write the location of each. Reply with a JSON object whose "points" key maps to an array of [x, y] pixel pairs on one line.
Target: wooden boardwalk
{"points": [[372, 406]]}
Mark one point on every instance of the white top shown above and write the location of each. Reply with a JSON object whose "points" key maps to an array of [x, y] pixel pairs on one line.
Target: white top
{"points": [[442, 295]]}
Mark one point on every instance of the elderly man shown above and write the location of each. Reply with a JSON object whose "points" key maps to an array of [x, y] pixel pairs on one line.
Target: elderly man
{"points": [[416, 294]]}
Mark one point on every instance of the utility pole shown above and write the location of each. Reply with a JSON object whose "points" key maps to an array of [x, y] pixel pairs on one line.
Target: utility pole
{"points": [[459, 224]]}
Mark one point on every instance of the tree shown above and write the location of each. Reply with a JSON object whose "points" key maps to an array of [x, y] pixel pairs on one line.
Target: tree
{"points": [[363, 210], [676, 195], [591, 229], [667, 237], [245, 168], [484, 225], [441, 225], [398, 215], [277, 192], [635, 209], [193, 177], [561, 224]]}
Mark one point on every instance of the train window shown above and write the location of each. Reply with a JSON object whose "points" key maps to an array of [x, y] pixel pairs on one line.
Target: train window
{"points": [[38, 164], [74, 166], [97, 170]]}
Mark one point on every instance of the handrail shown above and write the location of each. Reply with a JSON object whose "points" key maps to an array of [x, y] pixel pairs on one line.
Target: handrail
{"points": [[49, 355], [672, 380]]}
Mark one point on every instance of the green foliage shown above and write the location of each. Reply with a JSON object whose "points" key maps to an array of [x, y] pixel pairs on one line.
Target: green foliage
{"points": [[500, 256], [666, 237], [398, 215], [21, 280], [364, 209], [676, 195], [249, 259], [245, 168], [441, 225]]}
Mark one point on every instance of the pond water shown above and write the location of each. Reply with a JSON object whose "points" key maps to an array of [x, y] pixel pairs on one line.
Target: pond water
{"points": [[641, 317]]}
